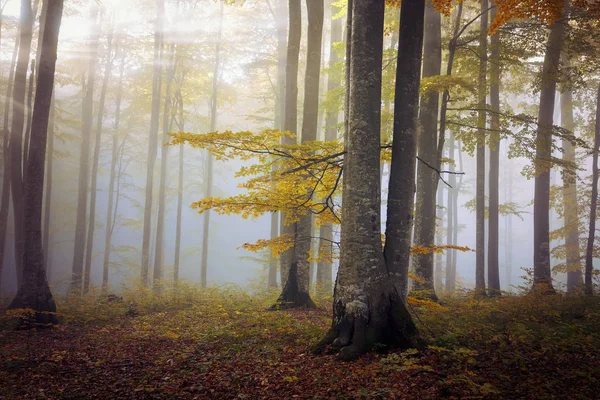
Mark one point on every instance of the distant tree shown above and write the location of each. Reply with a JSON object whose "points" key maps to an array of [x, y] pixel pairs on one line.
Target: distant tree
{"points": [[589, 254], [34, 291]]}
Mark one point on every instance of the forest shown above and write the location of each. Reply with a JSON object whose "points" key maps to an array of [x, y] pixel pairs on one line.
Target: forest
{"points": [[312, 199]]}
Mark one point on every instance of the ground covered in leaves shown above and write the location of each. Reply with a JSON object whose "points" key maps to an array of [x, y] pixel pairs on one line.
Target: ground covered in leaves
{"points": [[224, 344]]}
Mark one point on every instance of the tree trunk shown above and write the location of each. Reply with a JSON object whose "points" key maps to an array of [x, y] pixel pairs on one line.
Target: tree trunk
{"points": [[324, 267], [404, 149], [450, 255], [290, 121], [48, 192], [110, 221], [84, 161], [296, 291], [152, 141], [481, 133], [209, 158], [164, 153], [181, 126], [27, 133], [18, 120], [367, 309], [542, 275], [589, 253], [494, 171], [34, 292], [571, 217], [96, 157], [443, 214], [425, 212]]}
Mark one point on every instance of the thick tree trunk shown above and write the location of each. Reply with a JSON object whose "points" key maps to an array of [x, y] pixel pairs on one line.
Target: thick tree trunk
{"points": [[494, 172], [425, 206], [296, 291], [571, 217], [481, 133], [290, 121], [324, 267], [96, 157], [27, 133], [34, 292], [110, 221], [18, 121], [542, 275], [164, 154], [367, 309], [152, 142], [209, 158], [84, 161], [404, 149], [589, 253]]}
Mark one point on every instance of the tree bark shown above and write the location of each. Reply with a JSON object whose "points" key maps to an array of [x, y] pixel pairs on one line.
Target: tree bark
{"points": [[494, 171], [450, 255], [542, 275], [571, 217], [96, 158], [34, 292], [82, 196], [589, 253], [181, 126], [425, 206], [367, 309], [18, 120], [404, 148], [27, 133], [48, 192], [152, 142], [481, 133], [296, 291]]}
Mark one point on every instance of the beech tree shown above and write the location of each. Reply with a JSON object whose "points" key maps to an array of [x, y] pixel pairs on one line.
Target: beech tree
{"points": [[34, 291]]}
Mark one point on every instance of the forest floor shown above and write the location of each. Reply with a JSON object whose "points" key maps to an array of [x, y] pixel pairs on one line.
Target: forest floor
{"points": [[224, 344]]}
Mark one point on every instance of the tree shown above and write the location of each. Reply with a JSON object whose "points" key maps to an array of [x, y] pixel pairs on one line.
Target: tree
{"points": [[86, 133], [542, 276], [209, 160], [16, 135], [34, 292], [367, 308], [425, 206], [153, 140], [96, 156], [481, 131], [494, 172], [404, 147], [571, 217], [295, 291], [589, 254]]}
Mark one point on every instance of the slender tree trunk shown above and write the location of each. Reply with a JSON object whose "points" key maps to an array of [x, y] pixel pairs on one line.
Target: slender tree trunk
{"points": [[296, 291], [209, 159], [450, 277], [571, 217], [110, 221], [508, 253], [404, 149], [425, 213], [48, 192], [164, 153], [542, 275], [18, 120], [96, 158], [443, 214], [34, 292], [324, 267], [494, 171], [367, 309], [589, 253], [84, 161], [481, 133], [181, 126], [290, 122], [152, 142]]}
